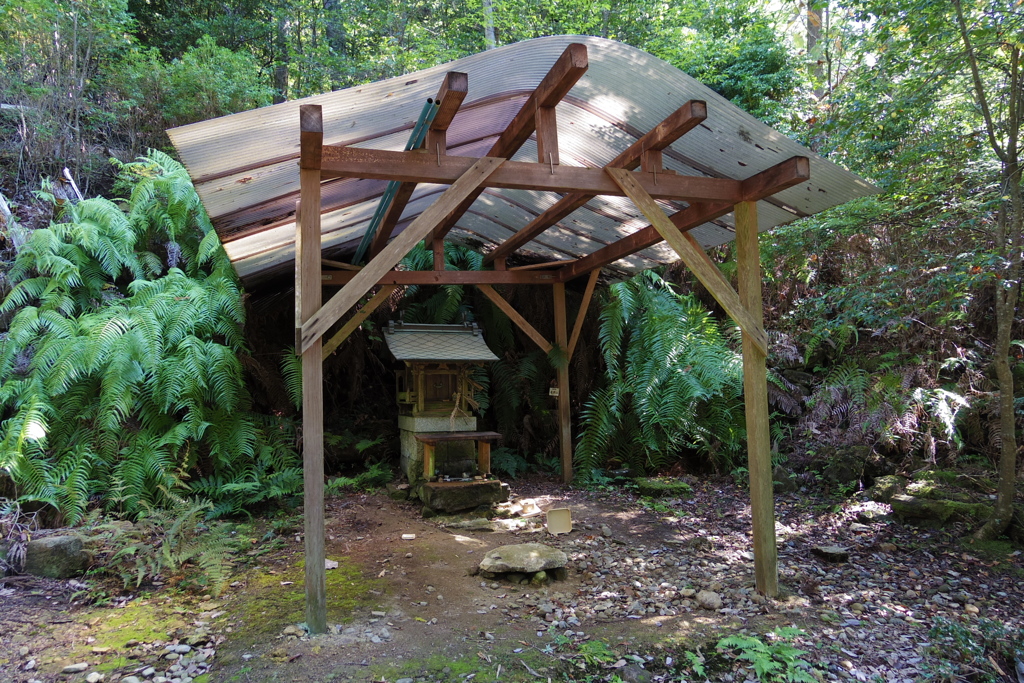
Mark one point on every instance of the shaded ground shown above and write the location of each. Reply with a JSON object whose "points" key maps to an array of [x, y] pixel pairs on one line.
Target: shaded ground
{"points": [[414, 609]]}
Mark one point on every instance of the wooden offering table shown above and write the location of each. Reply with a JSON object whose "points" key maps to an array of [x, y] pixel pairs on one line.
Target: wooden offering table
{"points": [[483, 448]]}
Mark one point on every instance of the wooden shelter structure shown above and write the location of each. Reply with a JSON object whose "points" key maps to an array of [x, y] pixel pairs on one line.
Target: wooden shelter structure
{"points": [[543, 159]]}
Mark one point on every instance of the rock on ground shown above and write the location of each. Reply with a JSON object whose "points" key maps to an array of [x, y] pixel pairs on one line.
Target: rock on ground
{"points": [[56, 557], [525, 558]]}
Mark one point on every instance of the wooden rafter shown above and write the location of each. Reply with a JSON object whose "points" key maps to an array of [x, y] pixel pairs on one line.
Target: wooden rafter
{"points": [[353, 323], [658, 138], [417, 167], [788, 173], [315, 326], [559, 80], [449, 96]]}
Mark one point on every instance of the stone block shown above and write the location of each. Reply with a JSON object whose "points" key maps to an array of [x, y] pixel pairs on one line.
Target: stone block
{"points": [[56, 557], [459, 495]]}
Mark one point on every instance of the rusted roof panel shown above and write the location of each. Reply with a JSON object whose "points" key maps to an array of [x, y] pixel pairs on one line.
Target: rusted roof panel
{"points": [[245, 165]]}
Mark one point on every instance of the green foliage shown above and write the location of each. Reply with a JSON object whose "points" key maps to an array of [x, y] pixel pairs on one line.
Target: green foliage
{"points": [[444, 304], [131, 322], [376, 476], [175, 544], [773, 661], [509, 462], [968, 651], [673, 383]]}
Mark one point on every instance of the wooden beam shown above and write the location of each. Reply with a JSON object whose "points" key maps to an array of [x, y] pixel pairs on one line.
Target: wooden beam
{"points": [[449, 98], [356, 162], [693, 256], [515, 317], [755, 400], [564, 416], [365, 279], [547, 136], [307, 298], [447, 277], [337, 264], [658, 138], [577, 327], [556, 84], [353, 323], [791, 172]]}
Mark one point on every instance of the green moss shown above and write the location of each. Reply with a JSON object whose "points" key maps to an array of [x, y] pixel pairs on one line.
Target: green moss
{"points": [[662, 487], [433, 667], [268, 605], [141, 620], [936, 476]]}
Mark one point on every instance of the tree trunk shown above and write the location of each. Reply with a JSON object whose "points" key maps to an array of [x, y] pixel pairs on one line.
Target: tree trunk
{"points": [[281, 61], [489, 41]]}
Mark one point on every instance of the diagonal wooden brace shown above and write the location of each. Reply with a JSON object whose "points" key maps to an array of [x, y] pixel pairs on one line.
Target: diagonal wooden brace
{"points": [[355, 321], [516, 317], [693, 256], [365, 279]]}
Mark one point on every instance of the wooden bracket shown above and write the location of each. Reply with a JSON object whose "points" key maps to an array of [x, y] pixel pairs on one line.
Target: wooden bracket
{"points": [[577, 326], [353, 323], [693, 256], [515, 317]]}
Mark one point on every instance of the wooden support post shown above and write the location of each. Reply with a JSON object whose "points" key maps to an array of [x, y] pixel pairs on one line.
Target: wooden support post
{"points": [[515, 317], [547, 136], [307, 294], [483, 456], [564, 417], [755, 399], [694, 257], [428, 461], [582, 313], [353, 323], [437, 246], [317, 324]]}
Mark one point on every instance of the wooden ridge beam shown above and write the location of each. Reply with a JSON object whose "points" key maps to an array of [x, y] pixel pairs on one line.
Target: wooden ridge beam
{"points": [[695, 258], [788, 173], [556, 84], [353, 323], [658, 138], [514, 315], [355, 162], [447, 277], [449, 97], [315, 326]]}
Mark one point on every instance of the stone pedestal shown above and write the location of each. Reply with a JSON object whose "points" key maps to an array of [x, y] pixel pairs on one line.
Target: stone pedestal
{"points": [[450, 458], [462, 495]]}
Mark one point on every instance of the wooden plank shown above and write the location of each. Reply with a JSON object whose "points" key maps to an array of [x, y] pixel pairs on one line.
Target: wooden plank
{"points": [[693, 256], [307, 294], [684, 119], [755, 399], [577, 327], [515, 317], [428, 461], [444, 437], [446, 277], [337, 264], [791, 172], [564, 416], [417, 167], [314, 327], [353, 323], [483, 456], [556, 84], [547, 136], [449, 96]]}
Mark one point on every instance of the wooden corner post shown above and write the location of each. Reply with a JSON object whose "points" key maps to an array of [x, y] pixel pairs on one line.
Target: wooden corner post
{"points": [[307, 303], [755, 399], [564, 423]]}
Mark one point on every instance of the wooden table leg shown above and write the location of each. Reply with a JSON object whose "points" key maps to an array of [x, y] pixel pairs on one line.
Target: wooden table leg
{"points": [[428, 461], [483, 456]]}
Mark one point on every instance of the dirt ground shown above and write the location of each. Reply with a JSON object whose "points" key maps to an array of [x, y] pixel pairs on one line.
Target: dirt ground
{"points": [[414, 609]]}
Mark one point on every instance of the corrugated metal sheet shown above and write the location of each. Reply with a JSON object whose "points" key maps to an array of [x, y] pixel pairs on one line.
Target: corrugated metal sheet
{"points": [[245, 165]]}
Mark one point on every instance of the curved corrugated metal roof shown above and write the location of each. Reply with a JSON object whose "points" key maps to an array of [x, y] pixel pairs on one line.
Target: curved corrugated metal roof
{"points": [[245, 165]]}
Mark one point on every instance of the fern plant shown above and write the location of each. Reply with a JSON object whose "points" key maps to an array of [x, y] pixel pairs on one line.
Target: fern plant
{"points": [[119, 377], [673, 382]]}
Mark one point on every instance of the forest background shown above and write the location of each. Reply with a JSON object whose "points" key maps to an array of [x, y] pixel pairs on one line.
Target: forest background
{"points": [[893, 318]]}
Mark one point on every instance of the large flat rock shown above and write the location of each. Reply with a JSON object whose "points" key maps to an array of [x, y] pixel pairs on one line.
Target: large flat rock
{"points": [[524, 558], [461, 495], [56, 557]]}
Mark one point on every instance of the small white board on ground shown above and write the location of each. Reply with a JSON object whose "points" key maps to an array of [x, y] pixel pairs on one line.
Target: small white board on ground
{"points": [[559, 521]]}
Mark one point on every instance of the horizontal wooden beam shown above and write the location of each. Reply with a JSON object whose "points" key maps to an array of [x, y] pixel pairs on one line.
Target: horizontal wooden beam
{"points": [[354, 162], [785, 174], [658, 138], [447, 277], [695, 258], [343, 301], [515, 317]]}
